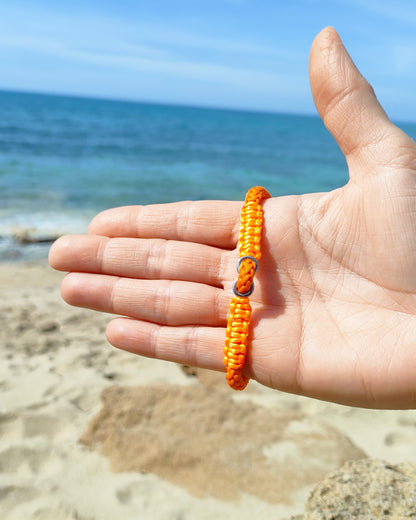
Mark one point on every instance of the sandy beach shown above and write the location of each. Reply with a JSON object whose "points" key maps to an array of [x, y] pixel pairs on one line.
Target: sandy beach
{"points": [[88, 432]]}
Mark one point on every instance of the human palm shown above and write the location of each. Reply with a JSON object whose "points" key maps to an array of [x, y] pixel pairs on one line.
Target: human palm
{"points": [[334, 309]]}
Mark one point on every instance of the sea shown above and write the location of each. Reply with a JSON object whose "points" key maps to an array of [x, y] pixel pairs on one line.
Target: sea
{"points": [[63, 159]]}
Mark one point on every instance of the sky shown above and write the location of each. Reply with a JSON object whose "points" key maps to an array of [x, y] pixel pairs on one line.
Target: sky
{"points": [[244, 54]]}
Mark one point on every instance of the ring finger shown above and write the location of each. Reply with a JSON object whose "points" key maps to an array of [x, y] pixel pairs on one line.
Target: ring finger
{"points": [[159, 301]]}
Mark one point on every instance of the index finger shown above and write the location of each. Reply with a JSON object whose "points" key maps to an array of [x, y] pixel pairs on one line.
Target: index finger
{"points": [[213, 223]]}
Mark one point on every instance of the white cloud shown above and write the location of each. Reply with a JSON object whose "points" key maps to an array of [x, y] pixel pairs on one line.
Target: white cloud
{"points": [[96, 30], [144, 59], [158, 49]]}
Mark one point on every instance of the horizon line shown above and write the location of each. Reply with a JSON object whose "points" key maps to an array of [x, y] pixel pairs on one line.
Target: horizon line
{"points": [[202, 106], [117, 99]]}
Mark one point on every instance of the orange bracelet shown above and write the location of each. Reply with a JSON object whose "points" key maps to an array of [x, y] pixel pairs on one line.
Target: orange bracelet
{"points": [[236, 339]]}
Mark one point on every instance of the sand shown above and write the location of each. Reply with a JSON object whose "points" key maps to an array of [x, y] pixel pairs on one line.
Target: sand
{"points": [[90, 432]]}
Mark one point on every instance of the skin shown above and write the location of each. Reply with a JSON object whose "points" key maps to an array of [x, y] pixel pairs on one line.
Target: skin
{"points": [[334, 310]]}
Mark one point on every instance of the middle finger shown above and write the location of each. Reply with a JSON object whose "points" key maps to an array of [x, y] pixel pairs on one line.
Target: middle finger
{"points": [[140, 258]]}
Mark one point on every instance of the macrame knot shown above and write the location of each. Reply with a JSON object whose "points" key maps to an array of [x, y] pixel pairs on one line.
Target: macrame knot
{"points": [[237, 334]]}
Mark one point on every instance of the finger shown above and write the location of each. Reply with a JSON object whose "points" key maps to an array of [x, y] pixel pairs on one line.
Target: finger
{"points": [[205, 222], [159, 301], [194, 346], [347, 103], [139, 258]]}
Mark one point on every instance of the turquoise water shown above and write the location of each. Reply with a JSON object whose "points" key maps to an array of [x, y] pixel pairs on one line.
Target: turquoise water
{"points": [[63, 159]]}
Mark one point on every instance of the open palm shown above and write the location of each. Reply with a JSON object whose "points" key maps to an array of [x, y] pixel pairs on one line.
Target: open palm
{"points": [[334, 309]]}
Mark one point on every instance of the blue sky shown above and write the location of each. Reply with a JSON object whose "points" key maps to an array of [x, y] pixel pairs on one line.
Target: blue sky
{"points": [[250, 54]]}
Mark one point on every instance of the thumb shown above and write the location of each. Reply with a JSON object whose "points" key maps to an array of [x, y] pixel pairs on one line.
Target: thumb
{"points": [[347, 104]]}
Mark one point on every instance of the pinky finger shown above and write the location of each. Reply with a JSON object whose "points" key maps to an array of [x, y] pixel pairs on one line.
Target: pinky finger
{"points": [[189, 345]]}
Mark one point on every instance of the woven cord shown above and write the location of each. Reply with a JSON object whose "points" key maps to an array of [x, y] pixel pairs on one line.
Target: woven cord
{"points": [[238, 324]]}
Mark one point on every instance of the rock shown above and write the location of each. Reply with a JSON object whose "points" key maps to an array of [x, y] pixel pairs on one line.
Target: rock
{"points": [[364, 490], [48, 326], [189, 371], [33, 236]]}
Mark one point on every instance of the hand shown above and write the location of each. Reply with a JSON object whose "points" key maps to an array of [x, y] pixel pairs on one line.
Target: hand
{"points": [[334, 309]]}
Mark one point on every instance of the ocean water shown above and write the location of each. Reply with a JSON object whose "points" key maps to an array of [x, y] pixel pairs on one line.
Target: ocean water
{"points": [[63, 159]]}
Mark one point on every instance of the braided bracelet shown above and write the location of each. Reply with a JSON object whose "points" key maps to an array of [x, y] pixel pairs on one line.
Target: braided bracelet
{"points": [[236, 339]]}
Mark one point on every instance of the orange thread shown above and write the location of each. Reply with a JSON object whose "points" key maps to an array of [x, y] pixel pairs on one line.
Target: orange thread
{"points": [[238, 324]]}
